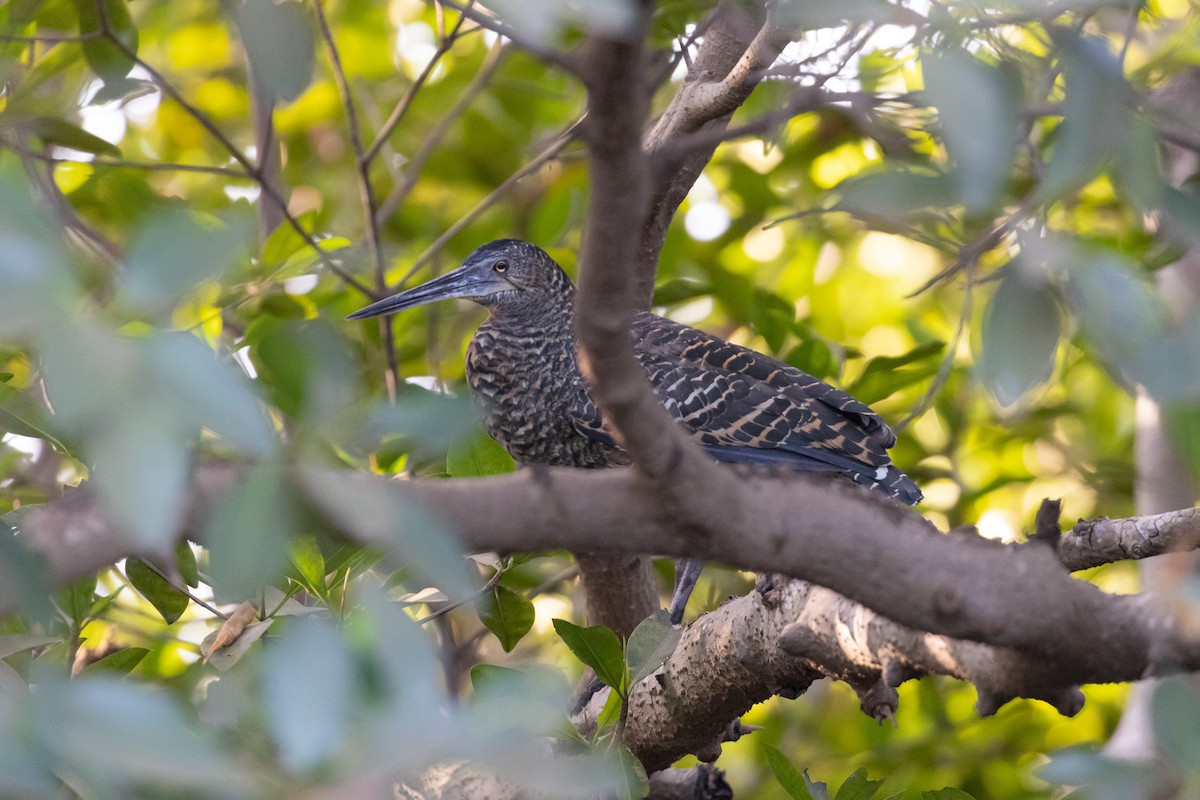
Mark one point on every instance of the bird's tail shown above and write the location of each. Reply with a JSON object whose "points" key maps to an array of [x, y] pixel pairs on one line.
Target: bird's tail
{"points": [[892, 481]]}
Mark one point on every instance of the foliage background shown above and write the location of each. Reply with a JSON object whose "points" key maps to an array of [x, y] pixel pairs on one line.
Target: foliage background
{"points": [[135, 246]]}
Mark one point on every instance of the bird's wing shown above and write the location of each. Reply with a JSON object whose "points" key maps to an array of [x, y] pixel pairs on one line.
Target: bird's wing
{"points": [[728, 396]]}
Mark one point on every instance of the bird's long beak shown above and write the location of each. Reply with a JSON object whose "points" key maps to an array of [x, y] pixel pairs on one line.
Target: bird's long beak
{"points": [[466, 281]]}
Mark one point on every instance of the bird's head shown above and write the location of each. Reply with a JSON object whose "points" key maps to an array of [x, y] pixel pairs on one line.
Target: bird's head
{"points": [[508, 276]]}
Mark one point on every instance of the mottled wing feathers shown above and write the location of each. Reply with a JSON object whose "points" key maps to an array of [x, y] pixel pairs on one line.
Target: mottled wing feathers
{"points": [[753, 400], [744, 407]]}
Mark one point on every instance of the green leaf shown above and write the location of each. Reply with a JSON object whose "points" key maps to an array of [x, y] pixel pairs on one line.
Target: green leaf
{"points": [[884, 375], [1019, 340], [278, 38], [104, 57], [478, 457], [76, 599], [787, 776], [487, 678], [949, 793], [120, 662], [597, 647], [680, 290], [308, 559], [166, 599], [634, 783], [814, 357], [21, 415], [508, 614], [13, 643], [650, 645], [858, 787], [57, 131], [185, 562]]}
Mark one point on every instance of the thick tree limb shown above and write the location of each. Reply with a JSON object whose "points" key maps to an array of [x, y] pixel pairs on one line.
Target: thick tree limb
{"points": [[879, 554]]}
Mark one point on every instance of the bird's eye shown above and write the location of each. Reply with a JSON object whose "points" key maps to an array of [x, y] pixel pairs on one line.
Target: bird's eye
{"points": [[500, 266]]}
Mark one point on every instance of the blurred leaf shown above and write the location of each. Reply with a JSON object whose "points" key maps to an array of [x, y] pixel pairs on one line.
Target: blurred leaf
{"points": [[58, 131], [679, 290], [1183, 424], [105, 58], [123, 90], [650, 645], [1097, 114], [814, 357], [175, 251], [811, 15], [278, 38], [248, 531], [21, 415], [13, 643], [212, 392], [545, 19], [949, 793], [378, 513], [858, 787], [166, 599], [308, 684], [508, 614], [597, 647], [121, 662], [772, 317], [1174, 711], [478, 457], [24, 573], [790, 778], [893, 195], [1103, 778], [487, 678], [118, 733], [886, 374], [979, 109], [1021, 329]]}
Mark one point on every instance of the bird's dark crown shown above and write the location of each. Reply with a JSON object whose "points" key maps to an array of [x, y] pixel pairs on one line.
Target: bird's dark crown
{"points": [[535, 280]]}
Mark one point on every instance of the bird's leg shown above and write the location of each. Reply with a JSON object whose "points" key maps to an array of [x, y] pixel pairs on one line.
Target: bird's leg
{"points": [[687, 572]]}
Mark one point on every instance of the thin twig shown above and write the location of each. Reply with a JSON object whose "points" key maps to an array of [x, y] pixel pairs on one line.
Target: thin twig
{"points": [[366, 193], [480, 592], [250, 169], [142, 166], [412, 171], [410, 93]]}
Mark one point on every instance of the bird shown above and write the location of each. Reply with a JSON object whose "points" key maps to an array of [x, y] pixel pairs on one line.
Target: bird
{"points": [[738, 405]]}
